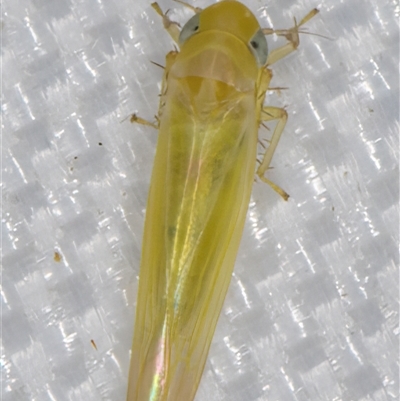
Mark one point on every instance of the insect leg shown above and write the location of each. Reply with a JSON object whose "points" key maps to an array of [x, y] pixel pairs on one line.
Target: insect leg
{"points": [[171, 27], [292, 35], [170, 59], [268, 114], [138, 120], [194, 9]]}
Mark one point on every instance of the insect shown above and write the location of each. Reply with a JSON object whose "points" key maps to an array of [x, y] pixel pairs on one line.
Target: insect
{"points": [[211, 106]]}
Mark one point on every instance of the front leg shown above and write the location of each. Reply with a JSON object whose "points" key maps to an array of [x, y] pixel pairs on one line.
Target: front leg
{"points": [[171, 27], [292, 35]]}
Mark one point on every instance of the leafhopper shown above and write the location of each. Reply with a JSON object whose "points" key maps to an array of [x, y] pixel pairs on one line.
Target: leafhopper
{"points": [[211, 107]]}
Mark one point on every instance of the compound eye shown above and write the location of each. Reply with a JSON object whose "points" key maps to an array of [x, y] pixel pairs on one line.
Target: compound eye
{"points": [[190, 28], [259, 47]]}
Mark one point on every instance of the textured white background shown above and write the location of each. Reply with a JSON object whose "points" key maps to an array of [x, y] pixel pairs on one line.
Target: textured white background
{"points": [[312, 311]]}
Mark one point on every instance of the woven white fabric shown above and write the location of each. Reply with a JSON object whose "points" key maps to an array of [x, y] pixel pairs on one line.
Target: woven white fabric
{"points": [[312, 311]]}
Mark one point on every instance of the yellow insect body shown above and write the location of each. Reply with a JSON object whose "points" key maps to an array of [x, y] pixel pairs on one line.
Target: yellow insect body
{"points": [[210, 111]]}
